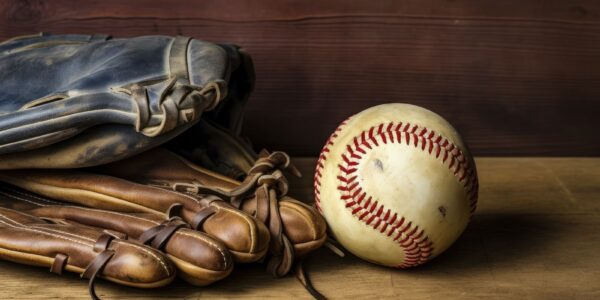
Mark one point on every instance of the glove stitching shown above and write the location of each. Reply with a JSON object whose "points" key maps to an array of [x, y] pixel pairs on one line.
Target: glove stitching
{"points": [[88, 209], [28, 228], [69, 206], [21, 199], [160, 260], [110, 212], [33, 196]]}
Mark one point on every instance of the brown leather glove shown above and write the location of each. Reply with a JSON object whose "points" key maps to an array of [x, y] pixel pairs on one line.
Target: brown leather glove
{"points": [[210, 261], [123, 114], [89, 251], [246, 238], [296, 228]]}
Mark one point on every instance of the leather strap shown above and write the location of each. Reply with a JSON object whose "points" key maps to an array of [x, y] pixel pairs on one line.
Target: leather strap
{"points": [[175, 210], [246, 186], [262, 203], [305, 281], [115, 234], [277, 180], [163, 236], [98, 263], [270, 161], [140, 96], [283, 258], [147, 236], [158, 236], [95, 267], [178, 65], [196, 188], [272, 185], [268, 183], [102, 242], [281, 262], [60, 261], [200, 217]]}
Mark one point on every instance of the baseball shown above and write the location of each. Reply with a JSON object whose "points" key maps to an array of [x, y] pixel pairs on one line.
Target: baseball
{"points": [[396, 185]]}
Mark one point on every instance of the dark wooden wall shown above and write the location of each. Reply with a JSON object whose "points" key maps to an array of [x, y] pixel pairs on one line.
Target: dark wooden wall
{"points": [[516, 77]]}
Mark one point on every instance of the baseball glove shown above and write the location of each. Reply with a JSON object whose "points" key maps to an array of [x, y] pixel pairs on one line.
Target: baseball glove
{"points": [[260, 179], [168, 191], [70, 101], [163, 183], [210, 261], [89, 251], [80, 121]]}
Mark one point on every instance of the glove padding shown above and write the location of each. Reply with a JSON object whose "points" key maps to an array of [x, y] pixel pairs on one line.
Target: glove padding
{"points": [[89, 251], [210, 261], [246, 238]]}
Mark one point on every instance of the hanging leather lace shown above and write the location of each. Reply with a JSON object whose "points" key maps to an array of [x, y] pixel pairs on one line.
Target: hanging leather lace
{"points": [[96, 265], [268, 183], [266, 180]]}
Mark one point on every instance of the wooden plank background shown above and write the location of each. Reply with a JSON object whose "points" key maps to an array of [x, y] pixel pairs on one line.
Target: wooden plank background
{"points": [[516, 77]]}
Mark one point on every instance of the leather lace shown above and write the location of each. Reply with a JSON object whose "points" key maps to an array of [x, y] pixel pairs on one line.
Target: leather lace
{"points": [[268, 184], [98, 263], [158, 236], [176, 211], [266, 180]]}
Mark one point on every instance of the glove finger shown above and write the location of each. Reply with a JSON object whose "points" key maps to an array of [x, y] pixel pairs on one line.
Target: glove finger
{"points": [[208, 262], [85, 250], [302, 224], [246, 238]]}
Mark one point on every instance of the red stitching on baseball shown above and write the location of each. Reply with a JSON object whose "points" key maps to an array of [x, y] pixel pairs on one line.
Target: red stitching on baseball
{"points": [[413, 240]]}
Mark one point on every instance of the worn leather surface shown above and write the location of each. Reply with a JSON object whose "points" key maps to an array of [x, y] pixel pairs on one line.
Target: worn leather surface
{"points": [[296, 229], [93, 103], [301, 223], [245, 237], [28, 239], [79, 100], [210, 261]]}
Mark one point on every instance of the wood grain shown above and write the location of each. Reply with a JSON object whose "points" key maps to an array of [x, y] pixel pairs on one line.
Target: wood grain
{"points": [[515, 77], [534, 236]]}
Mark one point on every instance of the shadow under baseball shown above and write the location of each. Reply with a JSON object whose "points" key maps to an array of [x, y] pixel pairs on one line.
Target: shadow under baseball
{"points": [[498, 240]]}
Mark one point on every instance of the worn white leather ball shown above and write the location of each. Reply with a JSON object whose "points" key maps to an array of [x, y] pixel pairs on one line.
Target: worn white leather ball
{"points": [[396, 184]]}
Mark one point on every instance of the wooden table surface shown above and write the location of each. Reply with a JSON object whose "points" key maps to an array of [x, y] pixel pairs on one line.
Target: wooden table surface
{"points": [[535, 235]]}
